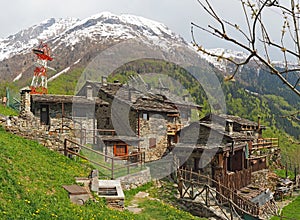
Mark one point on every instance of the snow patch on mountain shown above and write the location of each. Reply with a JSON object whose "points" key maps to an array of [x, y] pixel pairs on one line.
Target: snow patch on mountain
{"points": [[239, 56], [99, 28], [221, 64], [25, 40], [68, 36], [106, 25], [18, 77], [77, 61], [58, 74]]}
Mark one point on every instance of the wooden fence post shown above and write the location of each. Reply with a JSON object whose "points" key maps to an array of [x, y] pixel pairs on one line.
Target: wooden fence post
{"points": [[65, 147], [112, 168], [207, 196], [128, 166], [180, 185]]}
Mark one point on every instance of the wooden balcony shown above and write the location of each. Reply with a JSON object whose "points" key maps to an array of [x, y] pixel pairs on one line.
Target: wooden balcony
{"points": [[265, 143], [172, 129]]}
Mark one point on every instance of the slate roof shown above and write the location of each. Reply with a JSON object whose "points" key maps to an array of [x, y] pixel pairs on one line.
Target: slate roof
{"points": [[75, 189], [221, 147], [120, 138], [221, 118], [50, 98], [263, 198], [140, 99], [236, 136]]}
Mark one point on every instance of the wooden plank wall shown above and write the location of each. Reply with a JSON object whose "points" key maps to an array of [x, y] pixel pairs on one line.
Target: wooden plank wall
{"points": [[236, 180]]}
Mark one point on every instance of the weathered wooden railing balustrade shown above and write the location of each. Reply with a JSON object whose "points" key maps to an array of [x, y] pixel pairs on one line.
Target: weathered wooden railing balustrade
{"points": [[193, 185], [264, 143]]}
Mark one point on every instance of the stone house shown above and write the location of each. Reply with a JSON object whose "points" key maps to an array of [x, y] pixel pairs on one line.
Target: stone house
{"points": [[62, 113], [149, 120], [226, 148]]}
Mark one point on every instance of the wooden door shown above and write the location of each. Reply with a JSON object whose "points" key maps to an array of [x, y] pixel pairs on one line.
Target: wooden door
{"points": [[45, 115], [120, 150]]}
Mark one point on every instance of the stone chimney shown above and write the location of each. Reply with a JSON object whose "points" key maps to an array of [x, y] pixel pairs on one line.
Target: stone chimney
{"points": [[259, 130], [89, 92], [25, 103], [258, 122], [104, 80], [186, 98], [229, 126]]}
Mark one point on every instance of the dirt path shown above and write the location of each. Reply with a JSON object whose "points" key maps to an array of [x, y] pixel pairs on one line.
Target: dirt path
{"points": [[134, 207], [287, 201]]}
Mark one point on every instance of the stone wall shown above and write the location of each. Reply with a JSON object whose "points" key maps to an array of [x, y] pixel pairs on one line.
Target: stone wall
{"points": [[132, 181], [55, 109], [85, 129], [30, 128], [199, 209], [153, 127]]}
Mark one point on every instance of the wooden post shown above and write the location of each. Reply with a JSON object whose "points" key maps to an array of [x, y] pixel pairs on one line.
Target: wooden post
{"points": [[141, 155], [208, 182], [112, 168], [207, 196], [128, 167], [231, 214], [62, 117], [105, 153], [81, 135], [219, 190], [65, 147], [84, 135], [192, 193], [180, 185]]}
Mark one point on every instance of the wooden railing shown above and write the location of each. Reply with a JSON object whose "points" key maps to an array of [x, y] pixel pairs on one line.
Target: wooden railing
{"points": [[265, 143], [173, 128], [134, 162], [84, 134], [188, 181]]}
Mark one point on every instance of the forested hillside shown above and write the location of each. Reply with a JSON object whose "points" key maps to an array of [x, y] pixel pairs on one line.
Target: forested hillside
{"points": [[272, 103]]}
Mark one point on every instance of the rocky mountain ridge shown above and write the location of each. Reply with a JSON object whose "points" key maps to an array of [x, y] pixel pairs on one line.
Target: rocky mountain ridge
{"points": [[76, 42]]}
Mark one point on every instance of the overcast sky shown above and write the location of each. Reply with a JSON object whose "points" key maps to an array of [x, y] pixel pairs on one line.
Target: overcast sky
{"points": [[16, 15], [176, 14]]}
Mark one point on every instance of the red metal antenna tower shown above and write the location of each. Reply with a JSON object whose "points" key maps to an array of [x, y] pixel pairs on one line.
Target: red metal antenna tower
{"points": [[39, 80]]}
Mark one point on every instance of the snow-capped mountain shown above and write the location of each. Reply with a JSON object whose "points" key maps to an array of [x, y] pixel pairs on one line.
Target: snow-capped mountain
{"points": [[26, 39], [107, 25], [75, 42]]}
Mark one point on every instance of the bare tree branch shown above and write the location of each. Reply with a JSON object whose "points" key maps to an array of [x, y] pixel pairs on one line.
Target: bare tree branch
{"points": [[251, 42]]}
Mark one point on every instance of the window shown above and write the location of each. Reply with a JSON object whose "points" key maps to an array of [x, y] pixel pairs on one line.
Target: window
{"points": [[146, 116], [107, 121], [152, 142], [120, 150]]}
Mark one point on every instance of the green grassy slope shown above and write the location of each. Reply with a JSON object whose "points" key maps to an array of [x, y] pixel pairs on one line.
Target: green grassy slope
{"points": [[31, 183], [7, 111], [31, 179]]}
